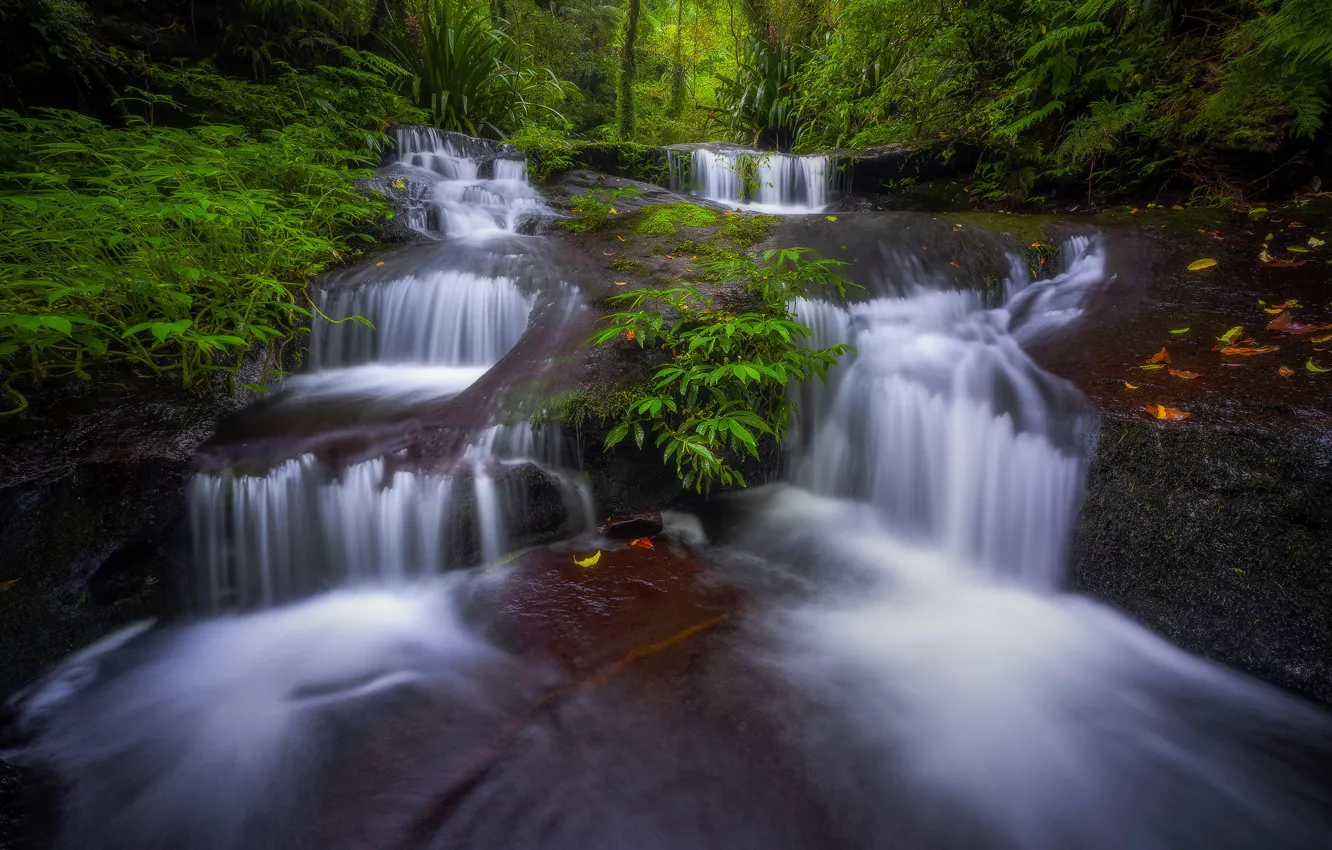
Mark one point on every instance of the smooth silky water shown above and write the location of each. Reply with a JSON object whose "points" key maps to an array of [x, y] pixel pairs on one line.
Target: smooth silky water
{"points": [[922, 680]]}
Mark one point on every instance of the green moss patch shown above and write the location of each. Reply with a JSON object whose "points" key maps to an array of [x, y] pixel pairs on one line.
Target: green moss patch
{"points": [[747, 231], [667, 219]]}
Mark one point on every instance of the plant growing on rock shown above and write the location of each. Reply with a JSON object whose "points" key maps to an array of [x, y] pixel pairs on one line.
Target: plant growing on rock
{"points": [[596, 206], [724, 384]]}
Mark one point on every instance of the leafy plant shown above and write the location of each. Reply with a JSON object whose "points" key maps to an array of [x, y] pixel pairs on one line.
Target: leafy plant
{"points": [[170, 250], [469, 74], [724, 385], [758, 101], [596, 206]]}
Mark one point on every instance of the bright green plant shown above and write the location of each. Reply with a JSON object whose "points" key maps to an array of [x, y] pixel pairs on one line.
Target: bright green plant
{"points": [[173, 251], [469, 73], [724, 386], [596, 206], [758, 100]]}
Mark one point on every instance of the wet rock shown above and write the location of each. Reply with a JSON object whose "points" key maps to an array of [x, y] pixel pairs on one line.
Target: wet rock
{"points": [[630, 525], [1219, 539], [92, 481], [411, 191]]}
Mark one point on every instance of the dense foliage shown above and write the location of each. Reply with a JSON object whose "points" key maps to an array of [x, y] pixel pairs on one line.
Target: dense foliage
{"points": [[723, 386]]}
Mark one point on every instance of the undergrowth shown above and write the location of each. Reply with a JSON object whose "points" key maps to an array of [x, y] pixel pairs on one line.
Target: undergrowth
{"points": [[724, 386], [173, 250]]}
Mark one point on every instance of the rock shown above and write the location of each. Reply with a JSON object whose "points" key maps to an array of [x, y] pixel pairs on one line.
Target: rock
{"points": [[1219, 539], [631, 525]]}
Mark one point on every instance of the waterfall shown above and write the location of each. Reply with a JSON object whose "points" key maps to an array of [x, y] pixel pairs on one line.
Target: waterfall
{"points": [[480, 188], [261, 540], [445, 317], [944, 424], [780, 183]]}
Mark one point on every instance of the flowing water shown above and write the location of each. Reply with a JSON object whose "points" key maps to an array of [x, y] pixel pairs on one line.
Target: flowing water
{"points": [[904, 671], [762, 181]]}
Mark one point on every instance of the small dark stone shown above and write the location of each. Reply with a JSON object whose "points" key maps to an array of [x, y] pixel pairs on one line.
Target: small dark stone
{"points": [[630, 525]]}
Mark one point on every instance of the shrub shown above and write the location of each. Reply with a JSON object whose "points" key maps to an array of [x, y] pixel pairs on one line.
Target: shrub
{"points": [[724, 384]]}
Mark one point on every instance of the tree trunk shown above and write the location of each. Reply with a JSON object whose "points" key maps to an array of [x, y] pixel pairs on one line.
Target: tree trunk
{"points": [[625, 101], [677, 66]]}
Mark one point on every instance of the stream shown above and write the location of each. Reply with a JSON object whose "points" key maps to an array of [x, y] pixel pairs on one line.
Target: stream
{"points": [[395, 649]]}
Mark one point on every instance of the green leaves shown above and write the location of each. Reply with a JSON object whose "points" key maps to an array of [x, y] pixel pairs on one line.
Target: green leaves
{"points": [[725, 384]]}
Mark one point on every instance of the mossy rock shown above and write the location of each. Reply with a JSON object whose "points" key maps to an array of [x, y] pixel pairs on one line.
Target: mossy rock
{"points": [[668, 219]]}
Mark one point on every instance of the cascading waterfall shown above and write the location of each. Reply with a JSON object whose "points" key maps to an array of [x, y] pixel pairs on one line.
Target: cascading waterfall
{"points": [[480, 189], [446, 318], [945, 425], [780, 183], [302, 527]]}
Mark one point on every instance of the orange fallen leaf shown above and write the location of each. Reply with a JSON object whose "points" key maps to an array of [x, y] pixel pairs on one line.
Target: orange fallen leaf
{"points": [[621, 238], [1323, 338], [1295, 224], [1287, 264], [1160, 411], [629, 335], [1161, 356], [608, 253], [1285, 371], [642, 543], [953, 264], [1237, 351], [670, 256], [378, 264], [1188, 376]]}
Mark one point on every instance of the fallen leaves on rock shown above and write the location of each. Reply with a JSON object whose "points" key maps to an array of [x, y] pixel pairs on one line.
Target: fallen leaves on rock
{"points": [[1285, 371], [1161, 356], [642, 543], [1314, 367], [1129, 386], [1286, 323], [1180, 331], [1160, 411], [1199, 265], [1231, 335], [1186, 375]]}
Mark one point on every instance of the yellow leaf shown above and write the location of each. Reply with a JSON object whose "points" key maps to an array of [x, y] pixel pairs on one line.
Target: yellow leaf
{"points": [[1298, 249], [832, 218], [1231, 335], [1199, 265], [378, 264], [614, 211], [590, 560], [1315, 242], [1258, 211], [1151, 366], [1323, 338], [1313, 367], [620, 283], [1180, 331], [1129, 386]]}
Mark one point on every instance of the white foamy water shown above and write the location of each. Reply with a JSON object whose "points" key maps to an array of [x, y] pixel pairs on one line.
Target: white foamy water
{"points": [[447, 317], [785, 184], [945, 425], [211, 737], [481, 190]]}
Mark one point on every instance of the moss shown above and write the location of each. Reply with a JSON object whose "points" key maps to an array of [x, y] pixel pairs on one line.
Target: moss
{"points": [[746, 231], [1028, 228], [667, 219], [576, 408], [629, 266]]}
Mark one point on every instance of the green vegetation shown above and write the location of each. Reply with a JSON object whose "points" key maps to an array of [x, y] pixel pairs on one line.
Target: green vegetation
{"points": [[595, 207], [176, 250], [746, 231], [723, 388], [667, 219]]}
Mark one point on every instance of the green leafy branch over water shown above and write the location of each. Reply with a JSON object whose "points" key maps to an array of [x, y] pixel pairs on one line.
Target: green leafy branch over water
{"points": [[724, 385]]}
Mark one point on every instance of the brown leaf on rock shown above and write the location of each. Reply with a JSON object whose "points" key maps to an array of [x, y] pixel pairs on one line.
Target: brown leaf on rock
{"points": [[1188, 376], [1285, 371], [1283, 318], [1161, 356], [1242, 351], [1160, 411]]}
